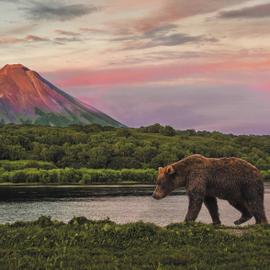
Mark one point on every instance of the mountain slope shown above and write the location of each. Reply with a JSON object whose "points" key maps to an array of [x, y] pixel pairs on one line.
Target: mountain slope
{"points": [[26, 97]]}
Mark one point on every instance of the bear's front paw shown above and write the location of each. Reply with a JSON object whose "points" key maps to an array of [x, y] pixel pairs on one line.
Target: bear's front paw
{"points": [[216, 223]]}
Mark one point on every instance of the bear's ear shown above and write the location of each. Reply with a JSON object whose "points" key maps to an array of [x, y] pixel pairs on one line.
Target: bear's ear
{"points": [[160, 170], [170, 169]]}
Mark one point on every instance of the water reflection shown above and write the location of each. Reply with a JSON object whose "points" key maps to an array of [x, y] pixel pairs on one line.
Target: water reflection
{"points": [[121, 209]]}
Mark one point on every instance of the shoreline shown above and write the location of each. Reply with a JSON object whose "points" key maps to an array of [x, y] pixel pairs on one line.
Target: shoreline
{"points": [[20, 192], [129, 184]]}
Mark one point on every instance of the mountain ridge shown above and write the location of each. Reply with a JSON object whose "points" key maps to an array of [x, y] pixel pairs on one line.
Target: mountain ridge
{"points": [[27, 97]]}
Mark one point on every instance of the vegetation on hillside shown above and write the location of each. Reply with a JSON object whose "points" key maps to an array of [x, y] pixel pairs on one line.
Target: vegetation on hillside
{"points": [[95, 154], [94, 146], [84, 244], [28, 171], [8, 165], [78, 176]]}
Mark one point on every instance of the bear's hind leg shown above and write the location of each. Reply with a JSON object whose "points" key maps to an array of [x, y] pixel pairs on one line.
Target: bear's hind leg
{"points": [[254, 197], [257, 209], [246, 215], [211, 204]]}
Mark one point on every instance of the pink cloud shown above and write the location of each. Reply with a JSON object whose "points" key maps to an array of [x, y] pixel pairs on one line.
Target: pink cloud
{"points": [[158, 73], [9, 40], [263, 86], [13, 40], [32, 38], [174, 10]]}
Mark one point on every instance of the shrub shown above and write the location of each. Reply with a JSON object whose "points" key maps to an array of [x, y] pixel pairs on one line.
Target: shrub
{"points": [[9, 165], [77, 176]]}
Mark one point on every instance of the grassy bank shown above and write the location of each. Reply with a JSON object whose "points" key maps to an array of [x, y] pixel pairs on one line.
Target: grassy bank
{"points": [[84, 176], [29, 171], [32, 171], [84, 244], [79, 176]]}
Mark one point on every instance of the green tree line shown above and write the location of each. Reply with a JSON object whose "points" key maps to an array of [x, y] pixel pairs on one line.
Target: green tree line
{"points": [[78, 176], [99, 147]]}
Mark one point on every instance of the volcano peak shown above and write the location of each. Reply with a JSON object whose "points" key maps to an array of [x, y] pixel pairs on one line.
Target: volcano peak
{"points": [[15, 66], [26, 97]]}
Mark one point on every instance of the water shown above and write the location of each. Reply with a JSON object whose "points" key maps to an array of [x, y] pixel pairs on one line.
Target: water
{"points": [[121, 209]]}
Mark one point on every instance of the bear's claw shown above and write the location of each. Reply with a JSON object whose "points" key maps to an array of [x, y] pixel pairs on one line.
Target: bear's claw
{"points": [[242, 220]]}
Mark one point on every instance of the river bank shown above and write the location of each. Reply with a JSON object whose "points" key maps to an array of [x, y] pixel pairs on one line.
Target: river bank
{"points": [[37, 191], [47, 244], [45, 173], [20, 192]]}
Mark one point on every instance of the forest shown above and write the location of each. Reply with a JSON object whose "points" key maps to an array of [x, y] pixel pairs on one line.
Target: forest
{"points": [[92, 153]]}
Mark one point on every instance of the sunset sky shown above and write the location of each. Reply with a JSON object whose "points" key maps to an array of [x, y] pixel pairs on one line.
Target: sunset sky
{"points": [[201, 64]]}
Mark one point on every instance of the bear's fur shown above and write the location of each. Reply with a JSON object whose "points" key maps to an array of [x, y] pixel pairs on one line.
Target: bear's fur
{"points": [[206, 179]]}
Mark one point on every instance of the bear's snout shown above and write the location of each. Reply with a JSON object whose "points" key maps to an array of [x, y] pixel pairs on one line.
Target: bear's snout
{"points": [[155, 196]]}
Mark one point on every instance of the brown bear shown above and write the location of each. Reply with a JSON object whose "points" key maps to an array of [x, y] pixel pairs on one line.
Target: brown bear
{"points": [[206, 179]]}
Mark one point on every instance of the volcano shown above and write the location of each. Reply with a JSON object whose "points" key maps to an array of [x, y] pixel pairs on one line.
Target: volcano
{"points": [[27, 98]]}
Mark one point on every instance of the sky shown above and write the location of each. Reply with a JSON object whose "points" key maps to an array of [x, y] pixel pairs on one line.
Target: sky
{"points": [[191, 64]]}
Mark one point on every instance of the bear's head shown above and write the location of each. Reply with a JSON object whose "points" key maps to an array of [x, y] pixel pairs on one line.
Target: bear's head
{"points": [[166, 182]]}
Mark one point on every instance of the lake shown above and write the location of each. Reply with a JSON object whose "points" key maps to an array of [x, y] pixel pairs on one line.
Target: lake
{"points": [[119, 208]]}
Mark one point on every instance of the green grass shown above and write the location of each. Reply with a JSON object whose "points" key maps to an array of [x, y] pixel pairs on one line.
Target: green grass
{"points": [[9, 165], [41, 172], [266, 175], [84, 244], [82, 176]]}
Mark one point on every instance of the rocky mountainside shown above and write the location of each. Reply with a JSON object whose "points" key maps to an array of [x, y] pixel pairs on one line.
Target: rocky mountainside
{"points": [[26, 97]]}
